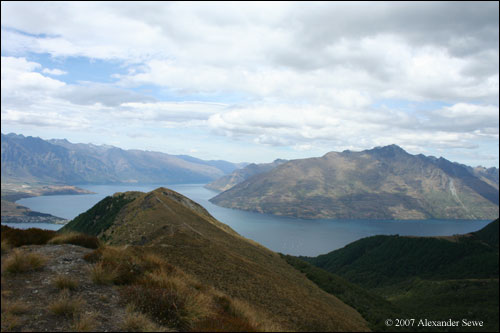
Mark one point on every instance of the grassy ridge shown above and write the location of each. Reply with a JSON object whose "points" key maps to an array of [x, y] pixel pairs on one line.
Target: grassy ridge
{"points": [[184, 235]]}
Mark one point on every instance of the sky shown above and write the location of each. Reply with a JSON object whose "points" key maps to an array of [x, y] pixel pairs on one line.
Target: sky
{"points": [[255, 81]]}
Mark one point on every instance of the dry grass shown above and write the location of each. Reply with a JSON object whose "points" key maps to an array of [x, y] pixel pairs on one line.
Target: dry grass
{"points": [[66, 306], [75, 238], [65, 282], [168, 296], [14, 307], [21, 261], [10, 322], [99, 274], [84, 323], [5, 246], [137, 322]]}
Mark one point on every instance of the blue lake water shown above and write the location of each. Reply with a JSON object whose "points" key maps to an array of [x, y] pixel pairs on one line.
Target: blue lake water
{"points": [[280, 234]]}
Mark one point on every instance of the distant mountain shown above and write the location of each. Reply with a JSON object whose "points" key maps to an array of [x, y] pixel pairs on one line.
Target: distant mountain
{"points": [[60, 161], [237, 176], [381, 183], [189, 238], [224, 166]]}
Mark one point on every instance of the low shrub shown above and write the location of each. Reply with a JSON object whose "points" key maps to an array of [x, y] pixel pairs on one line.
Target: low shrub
{"points": [[32, 236]]}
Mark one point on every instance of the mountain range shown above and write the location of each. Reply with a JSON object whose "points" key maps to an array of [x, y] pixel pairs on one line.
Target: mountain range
{"points": [[380, 183], [31, 159]]}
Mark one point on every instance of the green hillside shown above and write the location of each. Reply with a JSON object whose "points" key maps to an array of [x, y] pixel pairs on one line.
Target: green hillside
{"points": [[384, 260], [185, 235], [436, 278]]}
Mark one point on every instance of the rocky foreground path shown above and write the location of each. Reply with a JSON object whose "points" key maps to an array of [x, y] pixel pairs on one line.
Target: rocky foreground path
{"points": [[28, 298]]}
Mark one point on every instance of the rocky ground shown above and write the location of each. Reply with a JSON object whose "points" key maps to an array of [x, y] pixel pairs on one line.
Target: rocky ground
{"points": [[27, 297]]}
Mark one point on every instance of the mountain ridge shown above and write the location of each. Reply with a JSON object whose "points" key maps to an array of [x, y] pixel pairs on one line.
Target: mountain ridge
{"points": [[380, 183], [60, 161], [185, 234]]}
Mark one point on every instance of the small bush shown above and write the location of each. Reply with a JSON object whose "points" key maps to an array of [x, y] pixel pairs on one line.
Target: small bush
{"points": [[32, 236], [74, 238], [65, 305], [20, 262], [65, 282]]}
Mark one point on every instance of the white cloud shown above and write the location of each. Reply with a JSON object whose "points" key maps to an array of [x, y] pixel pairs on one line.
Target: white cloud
{"points": [[297, 75], [54, 71]]}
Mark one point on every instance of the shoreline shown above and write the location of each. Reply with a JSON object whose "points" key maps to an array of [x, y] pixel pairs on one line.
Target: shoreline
{"points": [[12, 212]]}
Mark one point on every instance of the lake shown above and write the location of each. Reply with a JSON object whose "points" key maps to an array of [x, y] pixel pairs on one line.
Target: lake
{"points": [[280, 234]]}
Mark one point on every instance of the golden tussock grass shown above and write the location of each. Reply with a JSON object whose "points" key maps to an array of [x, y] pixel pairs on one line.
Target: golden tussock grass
{"points": [[99, 274], [65, 282], [14, 307], [75, 238], [10, 322], [168, 297], [5, 246], [137, 322], [21, 261], [84, 323], [65, 305]]}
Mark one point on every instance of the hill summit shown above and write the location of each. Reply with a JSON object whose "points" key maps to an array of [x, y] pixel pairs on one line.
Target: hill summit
{"points": [[184, 234]]}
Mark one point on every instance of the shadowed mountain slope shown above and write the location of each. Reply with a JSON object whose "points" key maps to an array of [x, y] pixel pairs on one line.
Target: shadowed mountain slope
{"points": [[187, 236], [381, 183]]}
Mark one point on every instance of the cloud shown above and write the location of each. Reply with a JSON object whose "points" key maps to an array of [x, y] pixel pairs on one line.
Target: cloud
{"points": [[297, 75], [54, 71], [108, 95]]}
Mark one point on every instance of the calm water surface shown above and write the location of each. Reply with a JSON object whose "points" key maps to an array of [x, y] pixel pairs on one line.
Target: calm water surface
{"points": [[281, 234]]}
